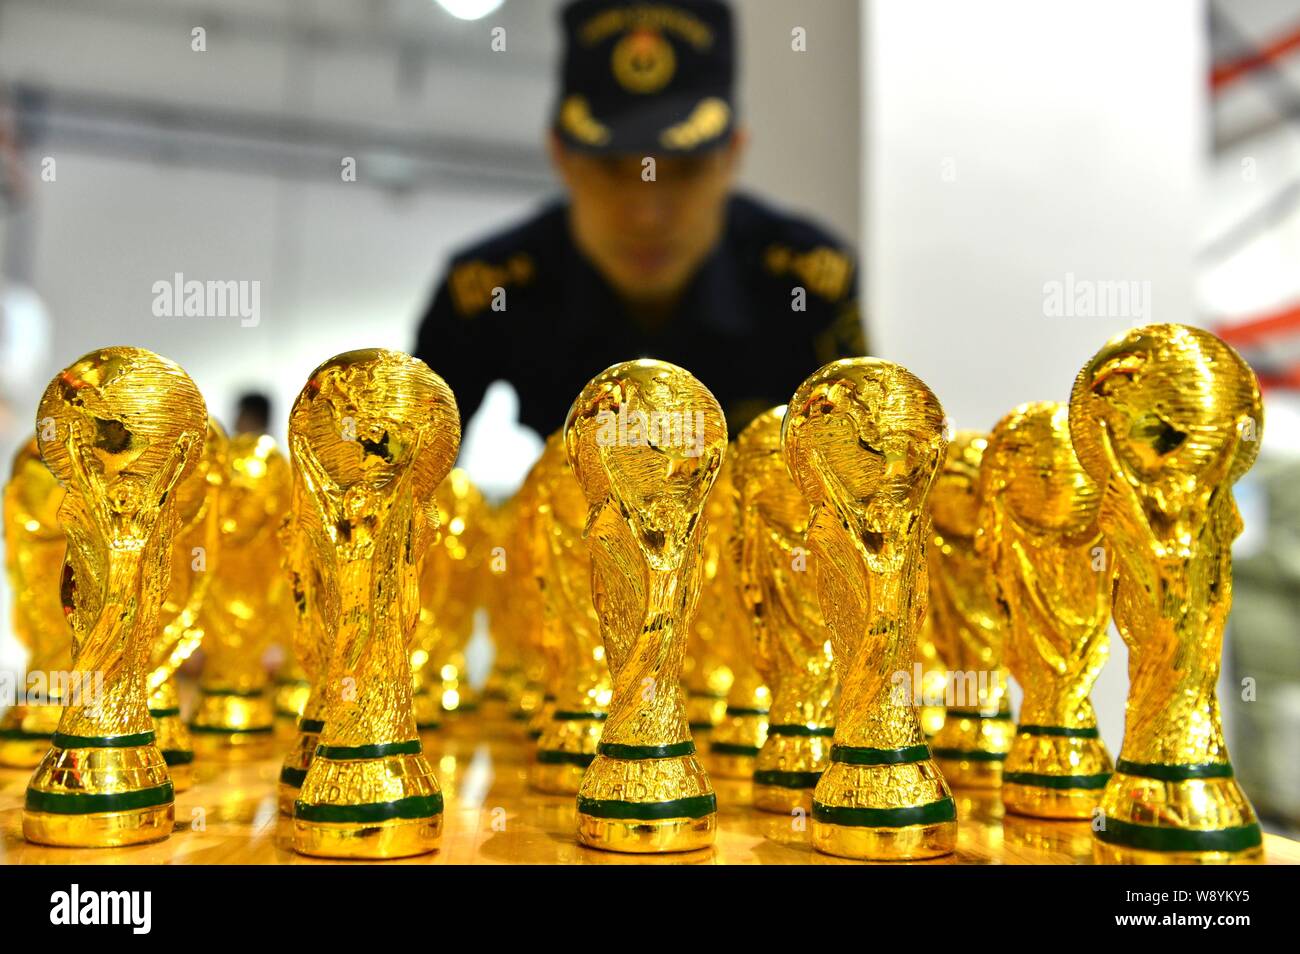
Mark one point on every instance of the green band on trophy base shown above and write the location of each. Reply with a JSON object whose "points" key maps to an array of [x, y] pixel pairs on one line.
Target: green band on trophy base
{"points": [[944, 810], [177, 756], [961, 713], [733, 748], [697, 806], [1056, 781], [24, 735], [311, 726], [560, 757], [223, 730], [969, 755], [780, 779], [344, 753], [1151, 838], [803, 731], [62, 741], [416, 806], [239, 693], [293, 777], [1059, 731], [165, 713], [1175, 773], [81, 803], [615, 750], [861, 755], [742, 711], [564, 715]]}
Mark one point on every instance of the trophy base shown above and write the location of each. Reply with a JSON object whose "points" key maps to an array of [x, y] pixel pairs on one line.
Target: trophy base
{"points": [[174, 742], [789, 766], [557, 778], [100, 829], [25, 733], [566, 748], [232, 745], [731, 764], [1037, 801], [846, 827], [784, 799], [1104, 854], [971, 747], [234, 726], [969, 769], [120, 794], [679, 814], [294, 770], [736, 742], [908, 843], [1216, 822], [394, 838], [660, 836], [394, 806]]}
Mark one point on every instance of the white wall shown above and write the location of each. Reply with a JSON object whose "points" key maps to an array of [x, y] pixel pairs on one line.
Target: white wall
{"points": [[1012, 142]]}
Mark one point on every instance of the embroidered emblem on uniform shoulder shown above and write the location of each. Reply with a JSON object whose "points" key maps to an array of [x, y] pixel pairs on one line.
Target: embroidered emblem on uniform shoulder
{"points": [[643, 61], [823, 270], [472, 283]]}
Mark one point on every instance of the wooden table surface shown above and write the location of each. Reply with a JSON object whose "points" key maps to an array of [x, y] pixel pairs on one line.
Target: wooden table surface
{"points": [[230, 816]]}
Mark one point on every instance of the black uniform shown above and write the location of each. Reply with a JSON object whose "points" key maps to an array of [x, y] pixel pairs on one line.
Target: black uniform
{"points": [[775, 300]]}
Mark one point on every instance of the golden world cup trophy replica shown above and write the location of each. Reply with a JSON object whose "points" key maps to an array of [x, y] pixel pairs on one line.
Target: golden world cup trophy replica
{"points": [[864, 441], [505, 682], [194, 565], [1049, 567], [248, 605], [645, 441], [305, 570], [706, 676], [569, 625], [120, 429], [739, 737], [34, 545], [791, 643], [1166, 418], [372, 434], [968, 627], [450, 593]]}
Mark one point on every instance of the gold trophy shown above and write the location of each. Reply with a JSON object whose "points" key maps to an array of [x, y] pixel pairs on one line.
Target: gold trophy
{"points": [[304, 569], [645, 441], [194, 565], [968, 627], [372, 434], [569, 627], [739, 737], [247, 606], [864, 441], [706, 677], [1166, 418], [791, 643], [34, 545], [120, 429], [450, 591], [1049, 567]]}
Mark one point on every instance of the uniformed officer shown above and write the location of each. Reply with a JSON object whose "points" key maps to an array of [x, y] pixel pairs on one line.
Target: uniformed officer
{"points": [[650, 253]]}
